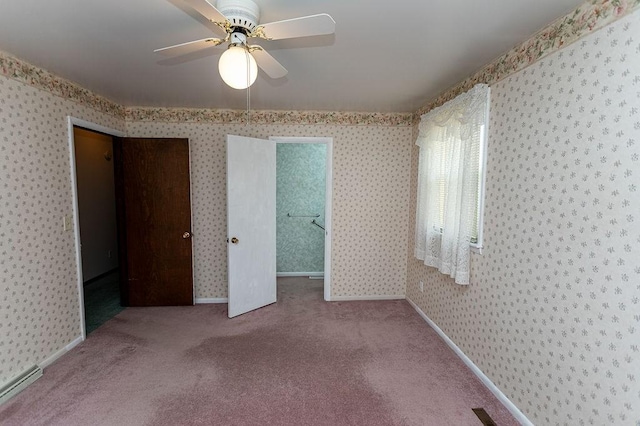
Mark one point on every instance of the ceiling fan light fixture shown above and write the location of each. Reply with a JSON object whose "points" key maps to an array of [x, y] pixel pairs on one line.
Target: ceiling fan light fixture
{"points": [[233, 67], [238, 21]]}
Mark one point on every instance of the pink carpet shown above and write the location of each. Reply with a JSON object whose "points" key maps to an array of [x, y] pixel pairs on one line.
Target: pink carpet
{"points": [[301, 361]]}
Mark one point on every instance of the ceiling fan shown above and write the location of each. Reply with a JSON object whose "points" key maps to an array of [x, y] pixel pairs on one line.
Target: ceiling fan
{"points": [[236, 21]]}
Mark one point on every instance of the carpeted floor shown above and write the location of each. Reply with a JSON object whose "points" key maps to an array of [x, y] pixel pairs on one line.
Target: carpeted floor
{"points": [[301, 361], [101, 300]]}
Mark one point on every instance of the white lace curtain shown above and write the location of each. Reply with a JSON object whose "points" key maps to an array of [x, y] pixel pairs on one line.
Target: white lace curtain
{"points": [[448, 178]]}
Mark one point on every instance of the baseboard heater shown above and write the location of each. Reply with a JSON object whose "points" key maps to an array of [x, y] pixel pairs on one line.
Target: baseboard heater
{"points": [[19, 383]]}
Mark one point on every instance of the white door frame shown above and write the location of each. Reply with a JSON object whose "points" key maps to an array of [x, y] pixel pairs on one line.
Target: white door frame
{"points": [[71, 122], [328, 198]]}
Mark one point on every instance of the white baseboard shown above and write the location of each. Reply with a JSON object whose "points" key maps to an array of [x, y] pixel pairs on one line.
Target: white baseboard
{"points": [[299, 274], [363, 298], [515, 411], [53, 358], [205, 300]]}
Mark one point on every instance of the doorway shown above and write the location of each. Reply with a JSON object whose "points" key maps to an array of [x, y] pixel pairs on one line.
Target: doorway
{"points": [[300, 212], [94, 221], [251, 220], [152, 258], [98, 230], [303, 209]]}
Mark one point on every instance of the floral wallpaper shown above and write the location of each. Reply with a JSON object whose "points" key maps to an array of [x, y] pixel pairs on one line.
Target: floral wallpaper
{"points": [[551, 314], [300, 191], [370, 187], [39, 309]]}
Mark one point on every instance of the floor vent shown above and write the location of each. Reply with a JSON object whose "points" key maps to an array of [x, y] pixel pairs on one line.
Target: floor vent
{"points": [[484, 417], [19, 383]]}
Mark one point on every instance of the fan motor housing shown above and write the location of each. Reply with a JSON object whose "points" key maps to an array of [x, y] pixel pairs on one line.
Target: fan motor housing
{"points": [[241, 13]]}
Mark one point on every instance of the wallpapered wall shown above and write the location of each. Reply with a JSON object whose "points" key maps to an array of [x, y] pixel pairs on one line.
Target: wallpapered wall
{"points": [[370, 188], [551, 315], [300, 190], [39, 311]]}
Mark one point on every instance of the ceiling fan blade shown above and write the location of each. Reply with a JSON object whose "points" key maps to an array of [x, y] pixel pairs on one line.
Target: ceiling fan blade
{"points": [[209, 11], [304, 26], [189, 47], [267, 63]]}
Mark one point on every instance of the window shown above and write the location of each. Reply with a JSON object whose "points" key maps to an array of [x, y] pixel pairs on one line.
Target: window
{"points": [[442, 184], [452, 141]]}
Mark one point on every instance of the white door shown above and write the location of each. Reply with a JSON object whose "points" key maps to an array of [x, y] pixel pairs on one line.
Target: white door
{"points": [[251, 223]]}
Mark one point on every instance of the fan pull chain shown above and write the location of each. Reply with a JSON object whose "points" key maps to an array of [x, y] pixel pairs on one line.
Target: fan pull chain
{"points": [[246, 52]]}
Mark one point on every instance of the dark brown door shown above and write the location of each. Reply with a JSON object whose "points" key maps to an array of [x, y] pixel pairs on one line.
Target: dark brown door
{"points": [[154, 221]]}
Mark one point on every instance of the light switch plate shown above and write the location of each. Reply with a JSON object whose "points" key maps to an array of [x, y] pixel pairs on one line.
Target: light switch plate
{"points": [[66, 223]]}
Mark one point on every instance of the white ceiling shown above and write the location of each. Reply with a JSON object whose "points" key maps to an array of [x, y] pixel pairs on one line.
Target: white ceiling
{"points": [[386, 56]]}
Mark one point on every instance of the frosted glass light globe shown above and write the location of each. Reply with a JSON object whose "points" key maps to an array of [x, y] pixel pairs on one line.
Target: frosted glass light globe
{"points": [[233, 67]]}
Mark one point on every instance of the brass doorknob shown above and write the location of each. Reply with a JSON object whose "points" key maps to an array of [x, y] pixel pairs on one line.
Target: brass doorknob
{"points": [[186, 235], [234, 240]]}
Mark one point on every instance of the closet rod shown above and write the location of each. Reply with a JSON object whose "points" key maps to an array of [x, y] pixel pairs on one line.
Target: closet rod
{"points": [[312, 215]]}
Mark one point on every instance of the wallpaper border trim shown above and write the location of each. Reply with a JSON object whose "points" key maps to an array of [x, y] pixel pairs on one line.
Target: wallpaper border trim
{"points": [[513, 409], [227, 116], [585, 19], [24, 72]]}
